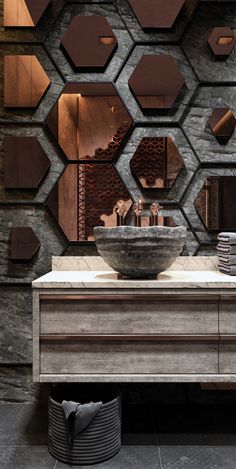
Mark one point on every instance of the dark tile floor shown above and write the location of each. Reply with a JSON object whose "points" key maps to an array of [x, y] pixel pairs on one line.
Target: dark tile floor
{"points": [[155, 436]]}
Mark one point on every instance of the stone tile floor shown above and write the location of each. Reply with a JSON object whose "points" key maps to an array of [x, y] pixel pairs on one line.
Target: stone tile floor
{"points": [[154, 437]]}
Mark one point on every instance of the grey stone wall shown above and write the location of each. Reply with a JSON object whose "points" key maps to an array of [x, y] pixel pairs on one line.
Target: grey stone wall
{"points": [[209, 83]]}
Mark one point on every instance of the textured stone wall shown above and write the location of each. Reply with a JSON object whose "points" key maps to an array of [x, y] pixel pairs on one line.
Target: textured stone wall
{"points": [[210, 83]]}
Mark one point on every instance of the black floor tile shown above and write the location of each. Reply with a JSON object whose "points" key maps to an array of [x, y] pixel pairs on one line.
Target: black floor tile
{"points": [[198, 457], [129, 457], [34, 457]]}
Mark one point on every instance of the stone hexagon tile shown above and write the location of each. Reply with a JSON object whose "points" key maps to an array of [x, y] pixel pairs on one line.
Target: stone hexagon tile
{"points": [[27, 114], [190, 196], [174, 114], [15, 324], [190, 162], [51, 241], [51, 177], [195, 124], [207, 66], [55, 37], [171, 35], [34, 34]]}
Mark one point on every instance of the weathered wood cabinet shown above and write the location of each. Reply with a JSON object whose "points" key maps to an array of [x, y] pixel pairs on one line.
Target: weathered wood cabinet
{"points": [[91, 326]]}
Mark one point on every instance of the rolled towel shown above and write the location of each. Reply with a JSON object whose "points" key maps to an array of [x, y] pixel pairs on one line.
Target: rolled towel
{"points": [[229, 270], [227, 237], [225, 248], [79, 416], [227, 259]]}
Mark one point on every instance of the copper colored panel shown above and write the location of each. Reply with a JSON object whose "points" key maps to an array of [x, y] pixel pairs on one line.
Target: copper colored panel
{"points": [[156, 82], [89, 42], [89, 121], [25, 163], [25, 81], [154, 14], [215, 203], [24, 243], [23, 13], [86, 196], [222, 41], [222, 124], [156, 163]]}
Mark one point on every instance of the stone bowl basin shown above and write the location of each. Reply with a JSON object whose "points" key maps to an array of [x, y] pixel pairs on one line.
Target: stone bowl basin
{"points": [[140, 252]]}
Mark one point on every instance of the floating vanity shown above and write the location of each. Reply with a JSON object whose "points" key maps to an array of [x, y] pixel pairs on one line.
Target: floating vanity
{"points": [[90, 325]]}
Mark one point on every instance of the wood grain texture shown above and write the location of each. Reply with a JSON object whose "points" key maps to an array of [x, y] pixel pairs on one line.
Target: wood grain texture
{"points": [[16, 14], [25, 81], [68, 133], [119, 316], [68, 202], [125, 357]]}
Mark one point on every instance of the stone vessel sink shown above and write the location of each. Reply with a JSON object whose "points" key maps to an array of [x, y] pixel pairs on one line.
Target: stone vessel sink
{"points": [[140, 252]]}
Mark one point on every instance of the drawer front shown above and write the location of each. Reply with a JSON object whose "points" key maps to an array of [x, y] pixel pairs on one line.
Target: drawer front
{"points": [[128, 357], [140, 314], [227, 354], [227, 315]]}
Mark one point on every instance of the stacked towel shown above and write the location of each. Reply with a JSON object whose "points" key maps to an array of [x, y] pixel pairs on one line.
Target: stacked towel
{"points": [[227, 253]]}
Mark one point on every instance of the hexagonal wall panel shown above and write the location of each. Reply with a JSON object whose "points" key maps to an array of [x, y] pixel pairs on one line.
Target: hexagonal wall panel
{"points": [[89, 121], [156, 82], [26, 13], [86, 196], [182, 70], [24, 243], [153, 14], [25, 81], [89, 43], [25, 163], [222, 41], [156, 164], [222, 124]]}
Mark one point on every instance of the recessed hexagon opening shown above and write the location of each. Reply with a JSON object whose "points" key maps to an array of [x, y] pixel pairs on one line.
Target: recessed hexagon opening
{"points": [[86, 196], [216, 202], [89, 43], [222, 41], [156, 82], [156, 14], [156, 164], [222, 124], [89, 121]]}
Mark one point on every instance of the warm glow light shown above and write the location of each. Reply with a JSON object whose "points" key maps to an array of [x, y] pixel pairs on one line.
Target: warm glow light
{"points": [[79, 95]]}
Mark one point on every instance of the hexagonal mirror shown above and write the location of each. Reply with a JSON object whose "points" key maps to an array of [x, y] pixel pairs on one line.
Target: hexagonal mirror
{"points": [[87, 195], [216, 201], [89, 121], [156, 164]]}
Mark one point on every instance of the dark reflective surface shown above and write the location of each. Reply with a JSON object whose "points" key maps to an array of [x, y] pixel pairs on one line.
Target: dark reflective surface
{"points": [[89, 121], [156, 163], [216, 203]]}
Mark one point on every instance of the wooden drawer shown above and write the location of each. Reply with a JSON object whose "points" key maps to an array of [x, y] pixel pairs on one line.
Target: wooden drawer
{"points": [[126, 356], [227, 314], [127, 314]]}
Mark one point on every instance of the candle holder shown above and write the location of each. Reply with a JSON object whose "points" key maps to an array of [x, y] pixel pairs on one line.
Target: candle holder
{"points": [[137, 209], [154, 209]]}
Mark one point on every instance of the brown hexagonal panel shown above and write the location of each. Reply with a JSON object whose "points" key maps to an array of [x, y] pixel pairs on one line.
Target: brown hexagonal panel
{"points": [[23, 243], [216, 202], [23, 13], [156, 82], [156, 163], [156, 14], [86, 196], [25, 81], [222, 124], [222, 41], [89, 43], [89, 121], [25, 163]]}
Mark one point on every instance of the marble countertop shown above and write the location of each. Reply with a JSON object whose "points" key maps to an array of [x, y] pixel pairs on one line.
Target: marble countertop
{"points": [[110, 279]]}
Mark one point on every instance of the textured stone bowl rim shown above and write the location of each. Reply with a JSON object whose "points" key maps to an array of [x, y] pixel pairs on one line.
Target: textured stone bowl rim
{"points": [[123, 233]]}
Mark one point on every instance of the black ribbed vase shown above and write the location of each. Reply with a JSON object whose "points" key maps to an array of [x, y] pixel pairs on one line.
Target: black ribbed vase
{"points": [[98, 442]]}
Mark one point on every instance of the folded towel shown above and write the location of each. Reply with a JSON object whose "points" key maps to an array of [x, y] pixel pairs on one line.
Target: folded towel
{"points": [[227, 259], [225, 248], [227, 237], [229, 270], [79, 416]]}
